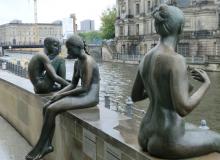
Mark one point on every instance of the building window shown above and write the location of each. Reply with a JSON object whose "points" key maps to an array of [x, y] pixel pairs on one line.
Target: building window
{"points": [[123, 8], [14, 41], [137, 29], [183, 49], [145, 48], [219, 20], [129, 30], [123, 49], [121, 31], [137, 9], [153, 45], [148, 6]]}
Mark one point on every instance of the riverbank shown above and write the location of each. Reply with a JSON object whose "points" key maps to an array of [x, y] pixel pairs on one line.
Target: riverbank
{"points": [[208, 68], [94, 134], [117, 80]]}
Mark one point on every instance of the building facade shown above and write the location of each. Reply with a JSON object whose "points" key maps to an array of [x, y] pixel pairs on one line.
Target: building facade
{"points": [[17, 33], [87, 25], [135, 32]]}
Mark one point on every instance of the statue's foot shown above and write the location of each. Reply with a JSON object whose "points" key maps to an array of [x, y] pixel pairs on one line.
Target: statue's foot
{"points": [[39, 152], [31, 154], [45, 151]]}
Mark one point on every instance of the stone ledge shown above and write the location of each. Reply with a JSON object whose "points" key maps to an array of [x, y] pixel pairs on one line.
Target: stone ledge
{"points": [[87, 134]]}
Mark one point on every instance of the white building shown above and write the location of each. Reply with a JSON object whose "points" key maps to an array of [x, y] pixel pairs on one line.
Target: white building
{"points": [[69, 26], [18, 33], [87, 25]]}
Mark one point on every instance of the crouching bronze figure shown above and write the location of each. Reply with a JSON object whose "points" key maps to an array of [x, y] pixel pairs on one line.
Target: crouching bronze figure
{"points": [[45, 70]]}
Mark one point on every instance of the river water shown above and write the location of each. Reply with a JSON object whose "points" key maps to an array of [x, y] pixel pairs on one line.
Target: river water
{"points": [[117, 80]]}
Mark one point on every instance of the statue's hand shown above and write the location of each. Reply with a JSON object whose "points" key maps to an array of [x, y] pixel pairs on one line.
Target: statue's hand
{"points": [[55, 97], [47, 104], [200, 75]]}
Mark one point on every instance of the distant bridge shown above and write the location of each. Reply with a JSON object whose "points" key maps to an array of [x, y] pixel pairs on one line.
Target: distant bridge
{"points": [[94, 48], [3, 47]]}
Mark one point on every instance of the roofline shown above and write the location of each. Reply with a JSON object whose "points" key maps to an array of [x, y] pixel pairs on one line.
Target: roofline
{"points": [[29, 24]]}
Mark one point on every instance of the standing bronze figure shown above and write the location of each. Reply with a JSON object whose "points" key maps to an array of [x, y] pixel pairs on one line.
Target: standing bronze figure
{"points": [[162, 77], [71, 97], [46, 69]]}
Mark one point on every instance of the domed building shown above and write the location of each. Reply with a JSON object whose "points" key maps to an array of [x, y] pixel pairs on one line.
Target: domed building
{"points": [[135, 33]]}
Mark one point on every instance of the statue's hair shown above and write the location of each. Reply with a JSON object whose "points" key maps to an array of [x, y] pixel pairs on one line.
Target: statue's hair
{"points": [[77, 41], [49, 40], [168, 20], [85, 47]]}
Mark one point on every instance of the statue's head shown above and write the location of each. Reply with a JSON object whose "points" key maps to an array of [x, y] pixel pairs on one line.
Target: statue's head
{"points": [[74, 46], [52, 46], [169, 20]]}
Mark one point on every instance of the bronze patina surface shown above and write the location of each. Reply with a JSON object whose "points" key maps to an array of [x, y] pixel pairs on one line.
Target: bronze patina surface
{"points": [[71, 97], [162, 77], [46, 69]]}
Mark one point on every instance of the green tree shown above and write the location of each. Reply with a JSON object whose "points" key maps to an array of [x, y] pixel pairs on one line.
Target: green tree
{"points": [[91, 37], [108, 19]]}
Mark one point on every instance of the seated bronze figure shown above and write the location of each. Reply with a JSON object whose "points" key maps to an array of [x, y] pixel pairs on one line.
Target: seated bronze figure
{"points": [[162, 77], [45, 70], [71, 97]]}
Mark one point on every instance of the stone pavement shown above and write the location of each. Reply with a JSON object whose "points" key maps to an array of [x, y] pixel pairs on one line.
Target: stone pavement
{"points": [[12, 145]]}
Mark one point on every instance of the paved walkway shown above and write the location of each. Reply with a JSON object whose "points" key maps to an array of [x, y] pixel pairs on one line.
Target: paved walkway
{"points": [[12, 145]]}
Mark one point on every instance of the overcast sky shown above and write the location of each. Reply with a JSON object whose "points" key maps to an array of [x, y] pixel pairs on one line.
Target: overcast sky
{"points": [[51, 10]]}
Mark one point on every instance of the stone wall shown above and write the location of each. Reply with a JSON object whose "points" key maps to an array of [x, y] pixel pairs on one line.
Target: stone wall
{"points": [[88, 134]]}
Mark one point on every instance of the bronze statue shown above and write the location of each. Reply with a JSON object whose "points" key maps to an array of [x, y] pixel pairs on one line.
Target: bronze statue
{"points": [[46, 69], [162, 77], [71, 97]]}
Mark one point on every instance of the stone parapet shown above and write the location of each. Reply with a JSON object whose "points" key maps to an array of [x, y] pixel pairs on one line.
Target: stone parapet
{"points": [[88, 134]]}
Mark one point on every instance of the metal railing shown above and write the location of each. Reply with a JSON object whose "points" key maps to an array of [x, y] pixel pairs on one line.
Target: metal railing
{"points": [[128, 57], [14, 68], [128, 108], [195, 59], [205, 59]]}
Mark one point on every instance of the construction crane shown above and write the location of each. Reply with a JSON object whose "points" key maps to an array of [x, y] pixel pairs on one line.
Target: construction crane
{"points": [[36, 30], [35, 11]]}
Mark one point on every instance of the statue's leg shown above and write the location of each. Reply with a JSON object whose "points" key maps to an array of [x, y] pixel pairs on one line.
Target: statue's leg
{"points": [[53, 129], [193, 143], [62, 105], [43, 144]]}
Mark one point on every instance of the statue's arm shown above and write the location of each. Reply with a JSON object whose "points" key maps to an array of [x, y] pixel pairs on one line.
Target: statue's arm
{"points": [[86, 83], [179, 85], [52, 73], [138, 93], [76, 76], [71, 86], [190, 87], [62, 69]]}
